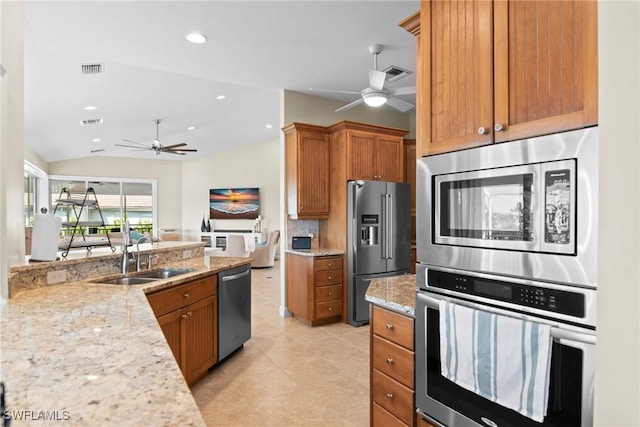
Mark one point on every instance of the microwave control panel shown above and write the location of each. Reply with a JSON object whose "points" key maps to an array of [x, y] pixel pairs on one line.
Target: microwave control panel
{"points": [[553, 300]]}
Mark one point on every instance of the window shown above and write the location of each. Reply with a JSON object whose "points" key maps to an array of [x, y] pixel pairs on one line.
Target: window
{"points": [[35, 190], [119, 199]]}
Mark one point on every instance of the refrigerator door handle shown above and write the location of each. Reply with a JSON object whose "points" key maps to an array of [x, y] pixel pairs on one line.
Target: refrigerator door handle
{"points": [[384, 225], [390, 236]]}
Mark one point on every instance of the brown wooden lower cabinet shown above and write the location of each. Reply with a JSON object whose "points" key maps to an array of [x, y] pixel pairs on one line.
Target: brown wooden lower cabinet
{"points": [[187, 315], [392, 368], [314, 288]]}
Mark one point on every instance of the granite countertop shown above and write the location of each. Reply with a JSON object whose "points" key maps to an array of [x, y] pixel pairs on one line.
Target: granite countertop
{"points": [[315, 252], [397, 293], [94, 354]]}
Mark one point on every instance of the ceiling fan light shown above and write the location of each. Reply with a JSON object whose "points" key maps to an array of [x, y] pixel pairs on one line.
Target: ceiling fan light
{"points": [[375, 99]]}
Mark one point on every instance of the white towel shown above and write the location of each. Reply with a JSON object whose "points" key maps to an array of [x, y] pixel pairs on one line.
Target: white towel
{"points": [[249, 243], [500, 358]]}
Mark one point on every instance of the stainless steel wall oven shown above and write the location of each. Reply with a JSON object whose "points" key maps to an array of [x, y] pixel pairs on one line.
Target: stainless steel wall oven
{"points": [[570, 311]]}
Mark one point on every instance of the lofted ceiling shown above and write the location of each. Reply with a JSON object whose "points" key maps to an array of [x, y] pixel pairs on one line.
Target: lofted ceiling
{"points": [[150, 71]]}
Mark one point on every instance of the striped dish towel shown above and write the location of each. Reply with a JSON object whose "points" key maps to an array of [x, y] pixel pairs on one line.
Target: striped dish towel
{"points": [[500, 358]]}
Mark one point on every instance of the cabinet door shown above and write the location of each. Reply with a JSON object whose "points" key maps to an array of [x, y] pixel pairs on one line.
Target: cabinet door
{"points": [[201, 337], [410, 171], [313, 175], [171, 325], [389, 158], [362, 159], [545, 67], [456, 66]]}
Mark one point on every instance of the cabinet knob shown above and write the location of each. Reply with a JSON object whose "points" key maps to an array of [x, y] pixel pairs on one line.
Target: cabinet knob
{"points": [[329, 277], [184, 316], [499, 127], [482, 130], [329, 264], [330, 308], [186, 295], [389, 361], [389, 396], [330, 293], [389, 326], [189, 314]]}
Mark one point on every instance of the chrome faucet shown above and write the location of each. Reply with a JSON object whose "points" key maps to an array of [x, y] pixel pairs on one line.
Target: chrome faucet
{"points": [[138, 263]]}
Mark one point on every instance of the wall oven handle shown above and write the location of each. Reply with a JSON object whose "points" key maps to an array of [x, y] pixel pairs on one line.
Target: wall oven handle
{"points": [[557, 333]]}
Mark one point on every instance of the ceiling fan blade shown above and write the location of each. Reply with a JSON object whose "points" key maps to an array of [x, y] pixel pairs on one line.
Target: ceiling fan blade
{"points": [[169, 147], [376, 79], [350, 105], [185, 150], [347, 92], [134, 142], [399, 104], [133, 146], [174, 152], [407, 90]]}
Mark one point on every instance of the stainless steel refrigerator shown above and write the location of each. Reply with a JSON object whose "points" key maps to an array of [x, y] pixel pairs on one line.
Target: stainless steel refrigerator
{"points": [[379, 239]]}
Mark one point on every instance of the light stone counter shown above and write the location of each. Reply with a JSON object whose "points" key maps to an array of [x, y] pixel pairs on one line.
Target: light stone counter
{"points": [[396, 293], [315, 252], [91, 354]]}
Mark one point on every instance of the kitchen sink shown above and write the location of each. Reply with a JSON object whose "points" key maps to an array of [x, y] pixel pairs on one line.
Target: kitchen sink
{"points": [[128, 281], [164, 273], [146, 277]]}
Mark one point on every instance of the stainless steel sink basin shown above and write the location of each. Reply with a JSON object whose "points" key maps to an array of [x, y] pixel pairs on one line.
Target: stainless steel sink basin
{"points": [[164, 273], [128, 281]]}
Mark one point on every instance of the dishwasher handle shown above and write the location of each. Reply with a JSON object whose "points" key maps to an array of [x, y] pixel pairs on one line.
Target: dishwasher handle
{"points": [[236, 276]]}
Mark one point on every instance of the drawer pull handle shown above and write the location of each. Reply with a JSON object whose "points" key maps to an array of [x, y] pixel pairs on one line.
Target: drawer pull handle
{"points": [[186, 295], [389, 326], [389, 361], [189, 314], [389, 396], [184, 316]]}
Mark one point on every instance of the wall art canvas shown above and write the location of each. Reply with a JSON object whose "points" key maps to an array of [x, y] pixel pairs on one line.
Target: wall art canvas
{"points": [[234, 203]]}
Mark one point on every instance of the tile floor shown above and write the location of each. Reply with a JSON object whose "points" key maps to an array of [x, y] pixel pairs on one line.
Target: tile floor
{"points": [[289, 374]]}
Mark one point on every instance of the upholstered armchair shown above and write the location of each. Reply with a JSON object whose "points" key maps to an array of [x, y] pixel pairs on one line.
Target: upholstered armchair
{"points": [[265, 254], [235, 247]]}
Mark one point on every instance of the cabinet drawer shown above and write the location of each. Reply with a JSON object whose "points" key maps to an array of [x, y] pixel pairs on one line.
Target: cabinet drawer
{"points": [[328, 277], [328, 309], [328, 263], [393, 396], [395, 361], [328, 293], [382, 418], [393, 326], [165, 301]]}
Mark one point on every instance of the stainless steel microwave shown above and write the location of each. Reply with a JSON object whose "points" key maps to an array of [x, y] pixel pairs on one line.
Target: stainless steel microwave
{"points": [[524, 208]]}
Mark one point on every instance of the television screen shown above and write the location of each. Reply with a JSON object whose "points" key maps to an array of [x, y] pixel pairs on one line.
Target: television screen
{"points": [[234, 203]]}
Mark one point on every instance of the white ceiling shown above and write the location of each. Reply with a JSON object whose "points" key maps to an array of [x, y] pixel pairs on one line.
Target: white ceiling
{"points": [[254, 49]]}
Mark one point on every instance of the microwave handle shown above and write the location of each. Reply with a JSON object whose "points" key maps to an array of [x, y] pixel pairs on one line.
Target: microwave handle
{"points": [[556, 333]]}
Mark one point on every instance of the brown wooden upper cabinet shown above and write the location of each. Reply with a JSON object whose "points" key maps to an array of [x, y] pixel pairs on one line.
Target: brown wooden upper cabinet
{"points": [[494, 71], [307, 171], [374, 153]]}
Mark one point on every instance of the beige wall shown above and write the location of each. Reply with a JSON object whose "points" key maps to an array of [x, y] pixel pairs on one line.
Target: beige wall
{"points": [[37, 161], [255, 165], [167, 172], [618, 332], [11, 139]]}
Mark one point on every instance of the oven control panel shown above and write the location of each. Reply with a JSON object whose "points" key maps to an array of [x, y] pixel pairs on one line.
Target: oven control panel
{"points": [[553, 300]]}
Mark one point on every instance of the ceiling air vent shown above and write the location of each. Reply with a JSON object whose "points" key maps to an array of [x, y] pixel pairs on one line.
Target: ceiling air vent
{"points": [[92, 69], [90, 122], [396, 73]]}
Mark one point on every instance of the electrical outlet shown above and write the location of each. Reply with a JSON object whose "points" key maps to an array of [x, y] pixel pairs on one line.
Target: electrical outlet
{"points": [[311, 235], [186, 254], [57, 276]]}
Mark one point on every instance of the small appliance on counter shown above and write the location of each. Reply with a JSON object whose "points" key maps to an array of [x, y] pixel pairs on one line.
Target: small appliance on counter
{"points": [[45, 236], [301, 242]]}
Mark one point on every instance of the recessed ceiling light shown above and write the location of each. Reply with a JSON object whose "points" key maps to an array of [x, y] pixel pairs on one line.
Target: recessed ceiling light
{"points": [[90, 108], [95, 140], [191, 128], [269, 126], [220, 97], [196, 38]]}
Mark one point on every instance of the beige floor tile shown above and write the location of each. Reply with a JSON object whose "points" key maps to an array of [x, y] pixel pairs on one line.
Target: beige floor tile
{"points": [[288, 373]]}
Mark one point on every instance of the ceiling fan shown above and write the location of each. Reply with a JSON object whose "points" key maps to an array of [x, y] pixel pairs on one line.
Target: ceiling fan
{"points": [[376, 94], [157, 147]]}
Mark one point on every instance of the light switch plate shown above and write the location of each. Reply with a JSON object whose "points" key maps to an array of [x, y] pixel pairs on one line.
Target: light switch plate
{"points": [[57, 276]]}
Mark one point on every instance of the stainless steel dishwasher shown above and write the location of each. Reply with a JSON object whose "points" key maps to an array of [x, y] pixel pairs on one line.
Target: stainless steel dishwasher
{"points": [[234, 309]]}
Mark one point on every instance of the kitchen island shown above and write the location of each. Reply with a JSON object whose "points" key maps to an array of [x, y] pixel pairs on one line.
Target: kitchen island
{"points": [[93, 354]]}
